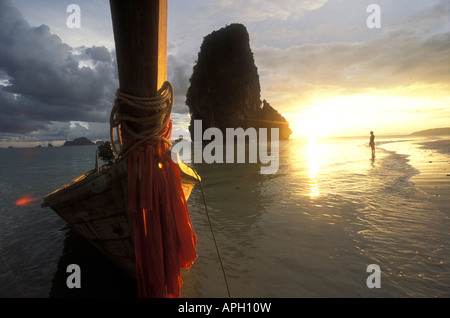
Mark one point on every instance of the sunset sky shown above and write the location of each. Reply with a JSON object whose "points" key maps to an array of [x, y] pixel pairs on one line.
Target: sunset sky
{"points": [[319, 64]]}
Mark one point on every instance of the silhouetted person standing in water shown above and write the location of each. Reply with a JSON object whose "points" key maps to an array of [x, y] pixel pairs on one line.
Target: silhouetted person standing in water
{"points": [[372, 143]]}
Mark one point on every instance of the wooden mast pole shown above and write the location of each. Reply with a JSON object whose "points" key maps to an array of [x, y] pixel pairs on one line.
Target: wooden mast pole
{"points": [[140, 34], [154, 181]]}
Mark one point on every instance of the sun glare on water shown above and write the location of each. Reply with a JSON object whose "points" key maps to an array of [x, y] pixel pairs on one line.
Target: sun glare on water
{"points": [[313, 165]]}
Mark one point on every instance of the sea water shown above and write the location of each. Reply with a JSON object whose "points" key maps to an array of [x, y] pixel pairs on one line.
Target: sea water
{"points": [[309, 230], [312, 229]]}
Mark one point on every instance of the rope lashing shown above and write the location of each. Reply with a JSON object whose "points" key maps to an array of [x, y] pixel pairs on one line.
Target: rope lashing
{"points": [[143, 118]]}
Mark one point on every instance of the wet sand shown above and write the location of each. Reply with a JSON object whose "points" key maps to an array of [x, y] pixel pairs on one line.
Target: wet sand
{"points": [[434, 176], [279, 238]]}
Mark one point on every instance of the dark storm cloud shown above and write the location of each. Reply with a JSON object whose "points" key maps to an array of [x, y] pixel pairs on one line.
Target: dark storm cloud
{"points": [[45, 84], [15, 119], [99, 53], [45, 80]]}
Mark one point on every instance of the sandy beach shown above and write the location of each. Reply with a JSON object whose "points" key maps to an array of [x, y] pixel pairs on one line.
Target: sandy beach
{"points": [[434, 176], [431, 158]]}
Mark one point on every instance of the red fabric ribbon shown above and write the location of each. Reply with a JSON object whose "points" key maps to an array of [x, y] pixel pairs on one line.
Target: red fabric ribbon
{"points": [[164, 237]]}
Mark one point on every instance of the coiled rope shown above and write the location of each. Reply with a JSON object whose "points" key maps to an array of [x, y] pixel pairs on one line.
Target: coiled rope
{"points": [[150, 115]]}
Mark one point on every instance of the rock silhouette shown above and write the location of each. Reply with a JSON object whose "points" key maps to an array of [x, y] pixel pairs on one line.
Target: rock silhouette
{"points": [[224, 89]]}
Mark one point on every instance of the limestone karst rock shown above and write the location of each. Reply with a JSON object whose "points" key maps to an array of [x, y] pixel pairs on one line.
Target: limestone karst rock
{"points": [[224, 89]]}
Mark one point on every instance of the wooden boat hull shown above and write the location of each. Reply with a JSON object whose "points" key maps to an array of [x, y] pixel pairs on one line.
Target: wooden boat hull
{"points": [[95, 205]]}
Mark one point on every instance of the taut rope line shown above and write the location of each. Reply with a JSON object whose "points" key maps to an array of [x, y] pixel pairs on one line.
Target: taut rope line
{"points": [[212, 233], [12, 274]]}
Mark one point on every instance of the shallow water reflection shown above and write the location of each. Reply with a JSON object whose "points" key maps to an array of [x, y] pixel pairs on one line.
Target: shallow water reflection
{"points": [[314, 227], [310, 230]]}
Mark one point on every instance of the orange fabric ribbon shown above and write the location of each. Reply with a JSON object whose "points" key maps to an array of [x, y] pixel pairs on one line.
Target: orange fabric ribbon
{"points": [[164, 237]]}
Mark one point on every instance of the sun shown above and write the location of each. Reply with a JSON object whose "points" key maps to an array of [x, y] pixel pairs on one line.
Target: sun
{"points": [[311, 125], [357, 115], [341, 116]]}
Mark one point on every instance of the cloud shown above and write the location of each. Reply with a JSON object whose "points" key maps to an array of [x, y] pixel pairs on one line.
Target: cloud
{"points": [[179, 71], [46, 81], [259, 10], [99, 54], [401, 56], [45, 84], [303, 50]]}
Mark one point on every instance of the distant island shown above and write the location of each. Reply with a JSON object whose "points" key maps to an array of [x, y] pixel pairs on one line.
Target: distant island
{"points": [[432, 132], [81, 141]]}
